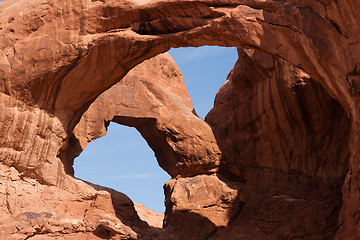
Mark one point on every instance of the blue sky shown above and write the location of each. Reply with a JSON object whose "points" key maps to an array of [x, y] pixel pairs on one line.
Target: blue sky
{"points": [[122, 160], [204, 69]]}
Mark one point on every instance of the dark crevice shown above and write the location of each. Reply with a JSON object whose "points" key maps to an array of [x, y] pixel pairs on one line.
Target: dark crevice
{"points": [[279, 25], [337, 27], [319, 1]]}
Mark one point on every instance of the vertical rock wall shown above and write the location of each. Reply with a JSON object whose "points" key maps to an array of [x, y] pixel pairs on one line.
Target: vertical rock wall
{"points": [[287, 139]]}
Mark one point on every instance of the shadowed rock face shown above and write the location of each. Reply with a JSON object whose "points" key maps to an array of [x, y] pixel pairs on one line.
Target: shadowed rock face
{"points": [[281, 136], [286, 121], [278, 117]]}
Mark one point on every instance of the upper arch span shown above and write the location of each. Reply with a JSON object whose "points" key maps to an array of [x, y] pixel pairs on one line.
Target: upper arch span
{"points": [[78, 49]]}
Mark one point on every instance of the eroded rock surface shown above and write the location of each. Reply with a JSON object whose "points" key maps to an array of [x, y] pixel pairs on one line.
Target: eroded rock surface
{"points": [[281, 135], [197, 206], [289, 130], [153, 99]]}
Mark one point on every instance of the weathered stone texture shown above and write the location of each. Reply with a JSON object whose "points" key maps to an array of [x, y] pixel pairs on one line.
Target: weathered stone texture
{"points": [[153, 99], [286, 122]]}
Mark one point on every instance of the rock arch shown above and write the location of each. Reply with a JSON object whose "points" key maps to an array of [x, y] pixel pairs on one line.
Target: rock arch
{"points": [[56, 58], [153, 99]]}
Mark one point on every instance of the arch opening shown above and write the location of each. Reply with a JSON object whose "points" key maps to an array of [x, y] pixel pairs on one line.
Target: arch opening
{"points": [[87, 165], [96, 159], [123, 161], [205, 70]]}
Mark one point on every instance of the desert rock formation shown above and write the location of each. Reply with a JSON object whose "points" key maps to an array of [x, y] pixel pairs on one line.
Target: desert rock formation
{"points": [[287, 139], [153, 99], [286, 121]]}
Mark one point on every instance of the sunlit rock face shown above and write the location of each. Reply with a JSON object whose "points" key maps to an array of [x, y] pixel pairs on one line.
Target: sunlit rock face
{"points": [[285, 122], [153, 98]]}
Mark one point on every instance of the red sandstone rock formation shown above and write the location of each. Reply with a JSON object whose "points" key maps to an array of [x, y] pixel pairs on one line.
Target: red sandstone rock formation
{"points": [[286, 121], [153, 98]]}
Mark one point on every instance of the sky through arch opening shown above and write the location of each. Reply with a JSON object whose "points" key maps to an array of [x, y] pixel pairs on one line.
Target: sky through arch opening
{"points": [[205, 70], [122, 160]]}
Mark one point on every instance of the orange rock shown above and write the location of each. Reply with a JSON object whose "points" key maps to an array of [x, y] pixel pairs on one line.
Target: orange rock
{"points": [[153, 98], [287, 122], [197, 206]]}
